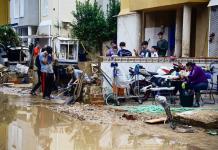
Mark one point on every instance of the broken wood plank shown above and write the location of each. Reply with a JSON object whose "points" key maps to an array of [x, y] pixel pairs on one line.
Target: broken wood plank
{"points": [[157, 120], [21, 85]]}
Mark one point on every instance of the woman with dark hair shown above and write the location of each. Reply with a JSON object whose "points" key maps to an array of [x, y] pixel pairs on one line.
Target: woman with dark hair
{"points": [[197, 80]]}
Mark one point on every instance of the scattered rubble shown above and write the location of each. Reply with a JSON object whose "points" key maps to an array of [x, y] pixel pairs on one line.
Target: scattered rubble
{"points": [[14, 91]]}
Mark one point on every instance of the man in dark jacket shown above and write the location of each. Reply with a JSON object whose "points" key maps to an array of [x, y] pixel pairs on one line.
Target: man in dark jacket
{"points": [[123, 52], [162, 45]]}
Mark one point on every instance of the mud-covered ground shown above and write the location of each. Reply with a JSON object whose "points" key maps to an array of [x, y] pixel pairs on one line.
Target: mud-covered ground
{"points": [[133, 123]]}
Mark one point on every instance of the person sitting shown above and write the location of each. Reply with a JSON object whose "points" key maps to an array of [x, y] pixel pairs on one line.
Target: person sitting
{"points": [[123, 52], [145, 52], [154, 51], [113, 50], [196, 80]]}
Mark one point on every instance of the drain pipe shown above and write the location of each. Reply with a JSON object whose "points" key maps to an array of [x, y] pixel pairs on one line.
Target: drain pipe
{"points": [[59, 30]]}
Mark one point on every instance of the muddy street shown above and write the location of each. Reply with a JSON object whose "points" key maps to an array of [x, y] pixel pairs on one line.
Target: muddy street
{"points": [[30, 124]]}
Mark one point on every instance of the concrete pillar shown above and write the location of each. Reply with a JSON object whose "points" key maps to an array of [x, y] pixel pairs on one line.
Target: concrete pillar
{"points": [[129, 30], [29, 33], [178, 34], [186, 31]]}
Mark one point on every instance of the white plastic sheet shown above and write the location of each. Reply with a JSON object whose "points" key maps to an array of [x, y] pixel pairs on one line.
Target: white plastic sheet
{"points": [[21, 69]]}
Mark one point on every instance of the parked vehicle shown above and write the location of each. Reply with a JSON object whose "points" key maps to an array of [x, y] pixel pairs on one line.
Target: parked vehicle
{"points": [[14, 55]]}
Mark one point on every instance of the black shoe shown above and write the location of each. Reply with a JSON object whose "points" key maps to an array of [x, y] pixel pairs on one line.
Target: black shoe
{"points": [[140, 101], [46, 98], [196, 105], [33, 93]]}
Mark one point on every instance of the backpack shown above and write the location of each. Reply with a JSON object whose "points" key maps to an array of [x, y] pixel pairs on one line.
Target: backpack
{"points": [[37, 62]]}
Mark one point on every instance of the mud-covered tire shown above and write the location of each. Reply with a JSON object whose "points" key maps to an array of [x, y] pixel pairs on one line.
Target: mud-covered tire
{"points": [[109, 100]]}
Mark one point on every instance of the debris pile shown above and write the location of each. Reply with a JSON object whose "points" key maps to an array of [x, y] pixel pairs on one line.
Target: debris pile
{"points": [[4, 73], [14, 91]]}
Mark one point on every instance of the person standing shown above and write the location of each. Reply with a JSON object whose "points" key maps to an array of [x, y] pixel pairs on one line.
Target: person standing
{"points": [[50, 77], [38, 70], [36, 50], [162, 45], [43, 58]]}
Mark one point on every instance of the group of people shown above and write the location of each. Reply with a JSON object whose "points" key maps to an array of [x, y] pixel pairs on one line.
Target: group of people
{"points": [[158, 50], [44, 63]]}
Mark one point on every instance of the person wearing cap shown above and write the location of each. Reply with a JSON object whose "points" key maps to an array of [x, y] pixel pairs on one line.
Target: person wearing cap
{"points": [[123, 52], [145, 52], [162, 45], [154, 51]]}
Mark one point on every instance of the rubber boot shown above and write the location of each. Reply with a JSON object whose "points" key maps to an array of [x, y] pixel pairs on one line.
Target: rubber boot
{"points": [[197, 99]]}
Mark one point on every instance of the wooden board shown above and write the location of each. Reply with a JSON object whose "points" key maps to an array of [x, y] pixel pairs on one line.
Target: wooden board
{"points": [[21, 85], [158, 120], [9, 84]]}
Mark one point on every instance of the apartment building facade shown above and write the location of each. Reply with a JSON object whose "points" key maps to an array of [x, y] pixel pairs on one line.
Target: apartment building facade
{"points": [[48, 23]]}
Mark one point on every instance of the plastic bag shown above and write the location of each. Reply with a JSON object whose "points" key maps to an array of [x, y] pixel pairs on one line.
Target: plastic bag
{"points": [[122, 80]]}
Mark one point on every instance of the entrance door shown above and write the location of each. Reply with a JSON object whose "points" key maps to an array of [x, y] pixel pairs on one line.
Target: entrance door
{"points": [[171, 37]]}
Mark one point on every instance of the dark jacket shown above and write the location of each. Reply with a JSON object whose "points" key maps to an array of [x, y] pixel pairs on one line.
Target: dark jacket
{"points": [[197, 75], [124, 52], [145, 53]]}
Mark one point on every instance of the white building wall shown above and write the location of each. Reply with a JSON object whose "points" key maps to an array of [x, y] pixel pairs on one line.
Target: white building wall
{"points": [[129, 30]]}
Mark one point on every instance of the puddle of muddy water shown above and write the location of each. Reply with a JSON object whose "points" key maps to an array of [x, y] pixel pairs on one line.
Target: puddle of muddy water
{"points": [[24, 127]]}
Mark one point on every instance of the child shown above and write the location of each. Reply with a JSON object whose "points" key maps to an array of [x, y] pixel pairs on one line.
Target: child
{"points": [[154, 51]]}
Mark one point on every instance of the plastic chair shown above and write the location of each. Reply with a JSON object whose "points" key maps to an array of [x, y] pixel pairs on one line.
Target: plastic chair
{"points": [[210, 90]]}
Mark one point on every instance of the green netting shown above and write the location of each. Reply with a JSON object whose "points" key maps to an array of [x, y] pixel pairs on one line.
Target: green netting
{"points": [[158, 109]]}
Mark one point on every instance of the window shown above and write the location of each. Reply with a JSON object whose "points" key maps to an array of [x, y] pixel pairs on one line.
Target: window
{"points": [[44, 8], [68, 51], [16, 8], [21, 8]]}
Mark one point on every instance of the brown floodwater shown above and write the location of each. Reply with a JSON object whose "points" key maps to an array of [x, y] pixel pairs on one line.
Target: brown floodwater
{"points": [[24, 126]]}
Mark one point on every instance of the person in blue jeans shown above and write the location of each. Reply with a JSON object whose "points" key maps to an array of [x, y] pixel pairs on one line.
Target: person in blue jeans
{"points": [[196, 80]]}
